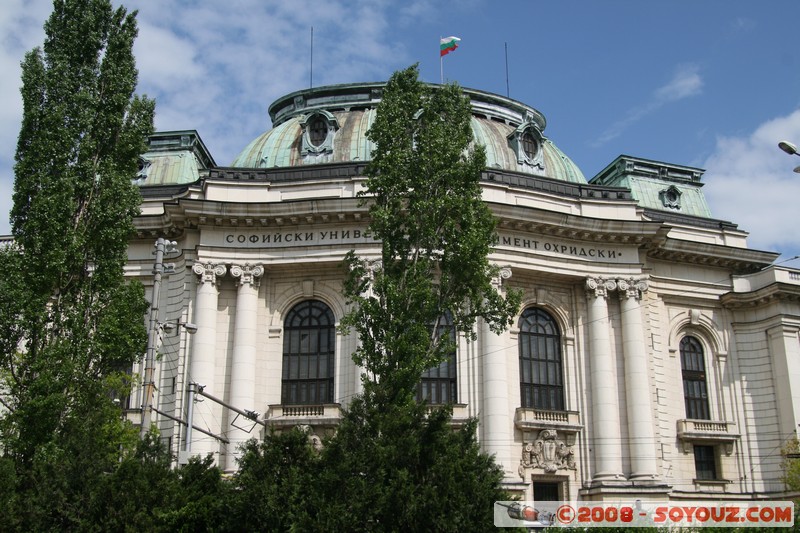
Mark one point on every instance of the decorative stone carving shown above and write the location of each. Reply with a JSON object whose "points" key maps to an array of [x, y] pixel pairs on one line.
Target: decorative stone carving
{"points": [[247, 273], [671, 196], [313, 438], [547, 452], [209, 272], [503, 274], [600, 286], [631, 287]]}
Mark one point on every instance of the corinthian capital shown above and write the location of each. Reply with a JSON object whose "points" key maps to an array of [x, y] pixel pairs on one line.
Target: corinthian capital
{"points": [[247, 273], [631, 287], [208, 272], [600, 287]]}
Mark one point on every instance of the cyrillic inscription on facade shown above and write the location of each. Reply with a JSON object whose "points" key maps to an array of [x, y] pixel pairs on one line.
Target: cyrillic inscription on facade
{"points": [[276, 238], [546, 245], [287, 238]]}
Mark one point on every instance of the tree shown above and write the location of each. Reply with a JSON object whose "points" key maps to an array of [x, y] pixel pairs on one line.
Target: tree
{"points": [[69, 321], [398, 463], [276, 487], [436, 234]]}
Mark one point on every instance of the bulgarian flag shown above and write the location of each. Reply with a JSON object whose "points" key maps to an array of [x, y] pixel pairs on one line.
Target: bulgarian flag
{"points": [[447, 45]]}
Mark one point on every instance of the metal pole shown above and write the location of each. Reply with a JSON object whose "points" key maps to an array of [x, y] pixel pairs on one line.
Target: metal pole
{"points": [[201, 430], [189, 417], [152, 338], [251, 415]]}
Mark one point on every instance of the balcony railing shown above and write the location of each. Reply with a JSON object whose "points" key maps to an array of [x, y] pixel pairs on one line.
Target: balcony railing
{"points": [[529, 419], [318, 415], [693, 431]]}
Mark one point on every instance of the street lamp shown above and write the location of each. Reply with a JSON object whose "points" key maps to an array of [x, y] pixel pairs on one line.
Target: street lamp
{"points": [[790, 149]]}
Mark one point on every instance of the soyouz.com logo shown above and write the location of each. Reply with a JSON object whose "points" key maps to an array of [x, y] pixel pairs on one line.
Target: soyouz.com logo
{"points": [[643, 514]]}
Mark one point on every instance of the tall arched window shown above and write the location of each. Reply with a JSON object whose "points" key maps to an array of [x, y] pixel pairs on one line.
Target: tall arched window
{"points": [[308, 354], [540, 368], [438, 384], [695, 391]]}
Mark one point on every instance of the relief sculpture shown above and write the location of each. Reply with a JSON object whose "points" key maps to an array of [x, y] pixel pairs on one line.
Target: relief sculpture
{"points": [[547, 452]]}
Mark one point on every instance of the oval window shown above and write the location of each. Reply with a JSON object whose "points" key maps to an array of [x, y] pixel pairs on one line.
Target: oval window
{"points": [[317, 131], [529, 145]]}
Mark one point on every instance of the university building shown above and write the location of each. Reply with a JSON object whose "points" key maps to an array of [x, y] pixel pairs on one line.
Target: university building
{"points": [[655, 355]]}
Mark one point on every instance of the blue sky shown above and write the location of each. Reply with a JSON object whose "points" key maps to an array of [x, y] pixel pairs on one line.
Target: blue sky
{"points": [[713, 84]]}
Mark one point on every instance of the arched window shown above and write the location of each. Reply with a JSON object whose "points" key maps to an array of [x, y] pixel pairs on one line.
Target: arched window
{"points": [[438, 384], [695, 391], [540, 371], [308, 354]]}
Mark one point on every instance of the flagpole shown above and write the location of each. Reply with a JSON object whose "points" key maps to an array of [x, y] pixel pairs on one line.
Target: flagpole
{"points": [[508, 91], [441, 62]]}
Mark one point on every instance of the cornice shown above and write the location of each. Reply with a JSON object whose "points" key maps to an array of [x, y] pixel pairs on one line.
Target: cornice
{"points": [[738, 260], [579, 228], [185, 213], [773, 293]]}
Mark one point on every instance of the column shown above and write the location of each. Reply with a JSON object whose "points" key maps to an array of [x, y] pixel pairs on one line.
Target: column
{"points": [[605, 404], [243, 365], [637, 385], [496, 416], [202, 367]]}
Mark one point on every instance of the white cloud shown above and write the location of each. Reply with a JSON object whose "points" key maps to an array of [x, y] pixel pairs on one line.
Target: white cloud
{"points": [[216, 67], [685, 82], [749, 181]]}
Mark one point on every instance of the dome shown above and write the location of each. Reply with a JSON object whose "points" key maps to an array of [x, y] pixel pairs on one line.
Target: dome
{"points": [[329, 125]]}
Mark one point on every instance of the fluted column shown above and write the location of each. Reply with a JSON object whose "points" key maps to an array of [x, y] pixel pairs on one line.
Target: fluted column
{"points": [[243, 365], [605, 403], [640, 414], [202, 368], [496, 421]]}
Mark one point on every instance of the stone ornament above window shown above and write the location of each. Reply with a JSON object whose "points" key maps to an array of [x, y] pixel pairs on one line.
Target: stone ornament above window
{"points": [[319, 130], [526, 141], [143, 168], [670, 197]]}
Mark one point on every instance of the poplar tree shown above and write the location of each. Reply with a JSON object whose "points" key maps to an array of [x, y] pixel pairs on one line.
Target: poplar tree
{"points": [[69, 321], [394, 464]]}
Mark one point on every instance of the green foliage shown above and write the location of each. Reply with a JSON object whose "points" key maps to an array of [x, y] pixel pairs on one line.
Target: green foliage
{"points": [[69, 321], [276, 487], [790, 463], [400, 469]]}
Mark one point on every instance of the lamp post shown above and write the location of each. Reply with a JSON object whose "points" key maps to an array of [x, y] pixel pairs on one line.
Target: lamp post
{"points": [[790, 149]]}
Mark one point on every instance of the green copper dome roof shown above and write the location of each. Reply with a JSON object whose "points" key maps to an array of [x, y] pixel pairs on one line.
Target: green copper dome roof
{"points": [[329, 125]]}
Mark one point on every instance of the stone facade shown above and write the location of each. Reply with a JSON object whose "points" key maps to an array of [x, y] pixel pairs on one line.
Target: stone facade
{"points": [[655, 355]]}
